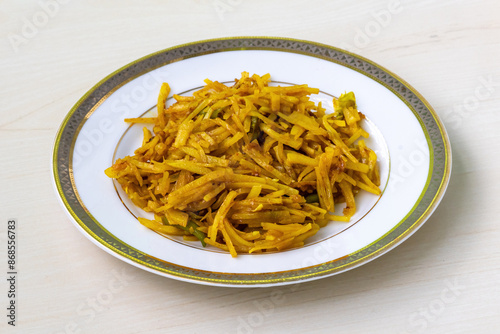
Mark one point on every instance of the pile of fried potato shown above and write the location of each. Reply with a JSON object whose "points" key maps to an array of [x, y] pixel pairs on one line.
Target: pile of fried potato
{"points": [[248, 168]]}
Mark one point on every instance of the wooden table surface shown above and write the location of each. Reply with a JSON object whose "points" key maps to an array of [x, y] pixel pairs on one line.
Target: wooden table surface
{"points": [[444, 279]]}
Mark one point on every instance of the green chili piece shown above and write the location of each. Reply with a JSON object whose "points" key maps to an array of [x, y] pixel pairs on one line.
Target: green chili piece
{"points": [[203, 112], [191, 227], [216, 113], [313, 198], [254, 129]]}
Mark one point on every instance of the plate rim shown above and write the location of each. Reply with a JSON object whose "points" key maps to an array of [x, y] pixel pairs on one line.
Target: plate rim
{"points": [[251, 43]]}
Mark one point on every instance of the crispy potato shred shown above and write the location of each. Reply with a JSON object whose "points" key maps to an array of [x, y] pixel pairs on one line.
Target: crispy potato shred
{"points": [[248, 168]]}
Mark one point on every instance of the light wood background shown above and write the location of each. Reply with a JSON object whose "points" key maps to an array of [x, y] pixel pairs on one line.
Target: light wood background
{"points": [[444, 279]]}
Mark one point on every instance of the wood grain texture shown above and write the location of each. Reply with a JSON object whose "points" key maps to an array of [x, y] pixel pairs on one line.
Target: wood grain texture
{"points": [[445, 49]]}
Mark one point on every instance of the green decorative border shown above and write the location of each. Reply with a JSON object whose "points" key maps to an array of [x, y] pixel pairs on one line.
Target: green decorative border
{"points": [[438, 142]]}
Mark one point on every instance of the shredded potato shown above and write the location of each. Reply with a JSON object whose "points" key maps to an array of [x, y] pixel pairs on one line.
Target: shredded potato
{"points": [[249, 168]]}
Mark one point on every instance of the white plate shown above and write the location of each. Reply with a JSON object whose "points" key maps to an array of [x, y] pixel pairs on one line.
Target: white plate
{"points": [[410, 141]]}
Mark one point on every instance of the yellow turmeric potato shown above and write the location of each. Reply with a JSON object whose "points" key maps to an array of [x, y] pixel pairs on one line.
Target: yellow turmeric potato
{"points": [[248, 168]]}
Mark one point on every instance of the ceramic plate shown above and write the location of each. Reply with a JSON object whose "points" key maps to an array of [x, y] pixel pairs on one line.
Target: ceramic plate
{"points": [[410, 141]]}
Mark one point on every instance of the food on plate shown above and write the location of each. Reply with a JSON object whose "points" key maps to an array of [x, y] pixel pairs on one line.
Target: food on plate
{"points": [[248, 168]]}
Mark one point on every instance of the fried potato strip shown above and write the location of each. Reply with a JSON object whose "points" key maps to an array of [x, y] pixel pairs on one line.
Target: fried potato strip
{"points": [[248, 168]]}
